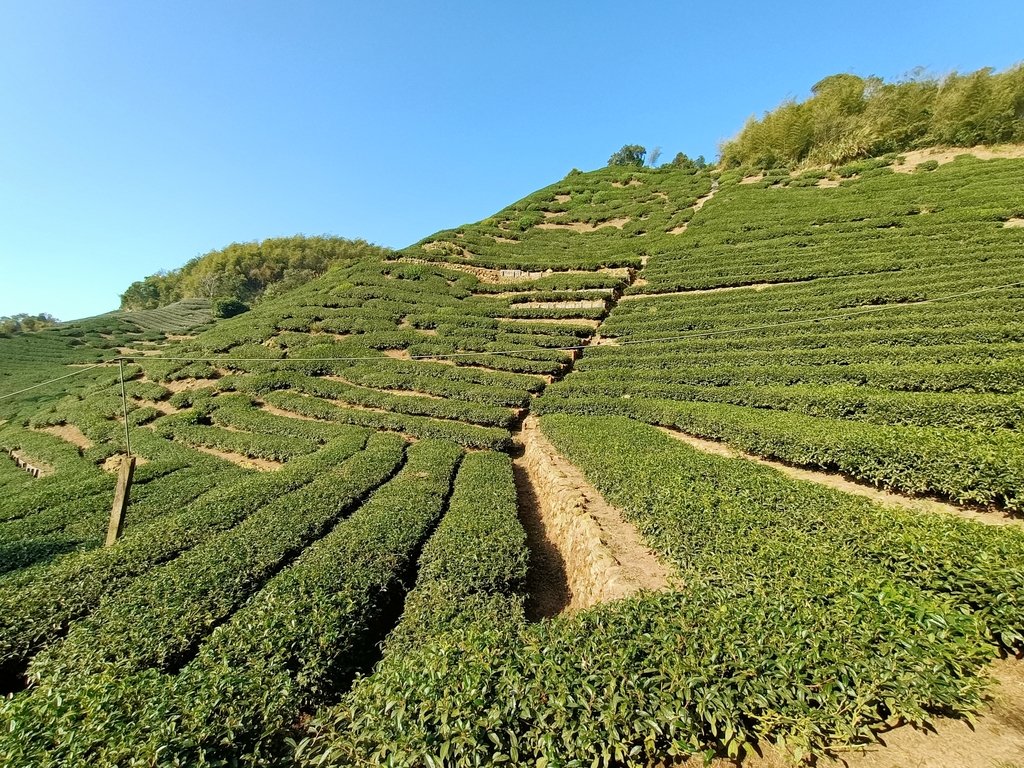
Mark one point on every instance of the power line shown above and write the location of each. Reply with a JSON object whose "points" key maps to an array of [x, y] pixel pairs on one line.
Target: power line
{"points": [[51, 381]]}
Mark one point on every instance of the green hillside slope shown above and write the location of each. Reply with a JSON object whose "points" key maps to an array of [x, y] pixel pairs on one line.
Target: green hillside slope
{"points": [[323, 562]]}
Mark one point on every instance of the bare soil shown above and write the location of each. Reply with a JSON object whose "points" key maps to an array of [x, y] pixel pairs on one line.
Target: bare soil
{"points": [[603, 556], [751, 179], [586, 304], [483, 274], [263, 465], [70, 434], [946, 155], [582, 226], [183, 384], [547, 584], [827, 183], [841, 483], [439, 245], [161, 405], [551, 320], [337, 336], [720, 289], [113, 463], [1013, 223], [702, 201]]}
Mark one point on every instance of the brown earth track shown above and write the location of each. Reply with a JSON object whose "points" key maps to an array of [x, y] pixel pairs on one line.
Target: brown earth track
{"points": [[943, 155], [586, 552], [547, 584], [69, 433], [582, 226], [720, 289], [181, 385], [246, 462]]}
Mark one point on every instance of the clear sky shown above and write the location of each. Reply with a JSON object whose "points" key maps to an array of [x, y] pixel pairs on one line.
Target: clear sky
{"points": [[136, 135]]}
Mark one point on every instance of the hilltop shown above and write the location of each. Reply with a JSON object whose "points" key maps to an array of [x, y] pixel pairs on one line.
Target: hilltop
{"points": [[652, 464], [245, 272], [850, 118]]}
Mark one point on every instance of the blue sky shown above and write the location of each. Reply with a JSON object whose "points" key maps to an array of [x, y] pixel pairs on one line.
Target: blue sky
{"points": [[136, 135]]}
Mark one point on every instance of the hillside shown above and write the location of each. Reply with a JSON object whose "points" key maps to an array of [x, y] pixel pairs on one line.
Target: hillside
{"points": [[651, 464]]}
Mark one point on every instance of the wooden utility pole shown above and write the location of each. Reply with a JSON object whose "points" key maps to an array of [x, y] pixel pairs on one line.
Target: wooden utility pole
{"points": [[124, 475], [121, 497]]}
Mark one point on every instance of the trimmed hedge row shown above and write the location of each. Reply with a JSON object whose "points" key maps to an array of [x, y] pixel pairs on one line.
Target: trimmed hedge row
{"points": [[292, 646], [790, 627], [467, 435], [471, 572], [162, 617], [966, 467], [36, 613]]}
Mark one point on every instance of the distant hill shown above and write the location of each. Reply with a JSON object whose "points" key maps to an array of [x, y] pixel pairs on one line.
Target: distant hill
{"points": [[247, 271], [850, 117]]}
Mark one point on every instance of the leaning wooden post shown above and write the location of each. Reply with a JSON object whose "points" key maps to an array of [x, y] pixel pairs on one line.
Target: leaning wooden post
{"points": [[124, 409], [124, 475], [121, 496]]}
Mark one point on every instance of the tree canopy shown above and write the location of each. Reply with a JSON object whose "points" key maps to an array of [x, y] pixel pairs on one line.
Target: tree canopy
{"points": [[23, 323], [247, 272], [630, 154], [848, 117]]}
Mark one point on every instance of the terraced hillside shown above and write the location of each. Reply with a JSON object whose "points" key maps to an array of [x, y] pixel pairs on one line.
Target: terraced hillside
{"points": [[352, 538]]}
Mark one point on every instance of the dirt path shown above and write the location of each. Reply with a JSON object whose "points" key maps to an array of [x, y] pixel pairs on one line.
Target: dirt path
{"points": [[841, 483], [180, 385], [112, 463], [547, 584], [943, 156], [70, 434], [720, 289], [160, 405], [246, 462], [698, 204], [583, 226], [579, 539], [551, 321], [581, 304]]}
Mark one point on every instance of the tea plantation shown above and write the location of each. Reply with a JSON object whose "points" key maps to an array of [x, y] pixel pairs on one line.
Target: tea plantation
{"points": [[324, 561]]}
